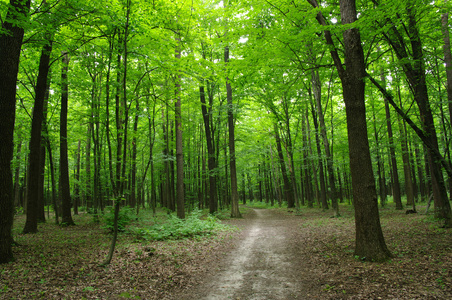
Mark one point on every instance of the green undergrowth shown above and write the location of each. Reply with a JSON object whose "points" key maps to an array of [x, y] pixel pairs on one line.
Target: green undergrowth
{"points": [[173, 228], [125, 216], [265, 205]]}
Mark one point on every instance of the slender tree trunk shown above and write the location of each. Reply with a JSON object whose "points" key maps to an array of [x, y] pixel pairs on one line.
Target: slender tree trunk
{"points": [[180, 195], [307, 175], [406, 159], [414, 67], [77, 179], [447, 59], [64, 165], [287, 185], [88, 181], [34, 191], [235, 213], [381, 183], [315, 109], [442, 204], [394, 171], [448, 62], [326, 144], [291, 165], [213, 200], [17, 185], [133, 200]]}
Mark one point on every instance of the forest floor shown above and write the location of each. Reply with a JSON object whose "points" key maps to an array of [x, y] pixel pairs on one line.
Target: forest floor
{"points": [[274, 254]]}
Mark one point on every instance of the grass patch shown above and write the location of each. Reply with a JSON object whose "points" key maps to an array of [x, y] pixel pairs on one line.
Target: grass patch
{"points": [[174, 228]]}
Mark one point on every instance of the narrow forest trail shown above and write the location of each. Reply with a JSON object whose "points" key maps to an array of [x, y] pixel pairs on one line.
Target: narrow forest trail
{"points": [[265, 264]]}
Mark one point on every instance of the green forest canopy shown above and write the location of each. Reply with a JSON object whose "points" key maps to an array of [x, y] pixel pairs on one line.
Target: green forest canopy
{"points": [[131, 61]]}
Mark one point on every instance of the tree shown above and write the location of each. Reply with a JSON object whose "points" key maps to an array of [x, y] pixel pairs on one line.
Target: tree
{"points": [[11, 37], [66, 217], [179, 151], [369, 242], [35, 154], [413, 66]]}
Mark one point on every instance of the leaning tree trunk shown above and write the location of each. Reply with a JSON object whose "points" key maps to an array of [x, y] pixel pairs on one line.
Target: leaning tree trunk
{"points": [[418, 82]]}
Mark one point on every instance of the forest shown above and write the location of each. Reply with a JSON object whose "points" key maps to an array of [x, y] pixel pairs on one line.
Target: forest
{"points": [[129, 107]]}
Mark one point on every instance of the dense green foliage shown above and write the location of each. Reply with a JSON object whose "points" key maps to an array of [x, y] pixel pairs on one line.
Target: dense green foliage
{"points": [[131, 61], [174, 228]]}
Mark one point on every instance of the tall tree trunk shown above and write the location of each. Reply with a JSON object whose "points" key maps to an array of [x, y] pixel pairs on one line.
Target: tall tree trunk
{"points": [[107, 110], [88, 181], [369, 236], [369, 243], [213, 200], [122, 179], [381, 183], [77, 179], [33, 195], [180, 195], [133, 190], [291, 164], [66, 217], [52, 173], [447, 59], [414, 68], [306, 176], [288, 191], [314, 109], [17, 185], [235, 212], [448, 62], [419, 85], [406, 159], [397, 198], [11, 37], [326, 144]]}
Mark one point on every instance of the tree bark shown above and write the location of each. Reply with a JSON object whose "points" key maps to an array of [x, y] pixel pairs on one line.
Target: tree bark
{"points": [[31, 224], [326, 145], [447, 59], [288, 191], [211, 163], [414, 68], [314, 109], [369, 243], [179, 151], [235, 212], [66, 217], [11, 37]]}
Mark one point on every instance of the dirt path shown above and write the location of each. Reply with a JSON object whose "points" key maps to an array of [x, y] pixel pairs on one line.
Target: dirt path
{"points": [[265, 263]]}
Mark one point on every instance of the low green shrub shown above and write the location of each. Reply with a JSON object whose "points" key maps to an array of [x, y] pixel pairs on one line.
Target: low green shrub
{"points": [[126, 215], [174, 228]]}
